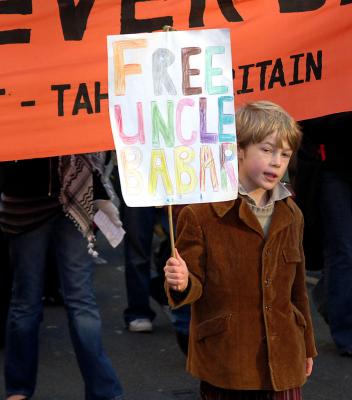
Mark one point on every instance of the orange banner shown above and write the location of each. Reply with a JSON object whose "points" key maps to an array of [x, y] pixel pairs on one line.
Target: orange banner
{"points": [[53, 71]]}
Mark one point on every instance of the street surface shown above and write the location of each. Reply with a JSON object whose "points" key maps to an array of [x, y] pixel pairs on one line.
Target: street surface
{"points": [[151, 366]]}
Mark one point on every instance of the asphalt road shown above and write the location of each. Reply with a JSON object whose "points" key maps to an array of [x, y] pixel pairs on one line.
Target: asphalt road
{"points": [[151, 366]]}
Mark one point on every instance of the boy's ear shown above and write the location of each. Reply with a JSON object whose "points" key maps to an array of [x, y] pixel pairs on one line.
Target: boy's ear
{"points": [[240, 153]]}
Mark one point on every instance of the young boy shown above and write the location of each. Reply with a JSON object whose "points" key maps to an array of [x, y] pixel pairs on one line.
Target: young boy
{"points": [[240, 264]]}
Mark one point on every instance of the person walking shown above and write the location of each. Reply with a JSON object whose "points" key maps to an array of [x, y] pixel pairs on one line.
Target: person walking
{"points": [[333, 293], [50, 202]]}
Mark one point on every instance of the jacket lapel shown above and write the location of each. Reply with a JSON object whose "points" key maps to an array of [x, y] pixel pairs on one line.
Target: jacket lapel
{"points": [[282, 217], [244, 213]]}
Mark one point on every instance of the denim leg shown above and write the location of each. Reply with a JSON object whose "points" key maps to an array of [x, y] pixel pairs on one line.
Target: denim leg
{"points": [[139, 226], [181, 318], [27, 256], [5, 286], [336, 203], [75, 268]]}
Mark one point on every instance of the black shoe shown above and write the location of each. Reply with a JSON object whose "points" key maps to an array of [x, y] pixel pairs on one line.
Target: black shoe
{"points": [[346, 353]]}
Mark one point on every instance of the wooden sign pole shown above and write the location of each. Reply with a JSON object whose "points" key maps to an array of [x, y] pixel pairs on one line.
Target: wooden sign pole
{"points": [[168, 28], [171, 229]]}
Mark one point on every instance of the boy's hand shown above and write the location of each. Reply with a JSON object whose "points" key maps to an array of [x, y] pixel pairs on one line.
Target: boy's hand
{"points": [[176, 273], [309, 366]]}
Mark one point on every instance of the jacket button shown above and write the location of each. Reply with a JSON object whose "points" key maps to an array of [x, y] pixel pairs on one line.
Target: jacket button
{"points": [[267, 281], [268, 308]]}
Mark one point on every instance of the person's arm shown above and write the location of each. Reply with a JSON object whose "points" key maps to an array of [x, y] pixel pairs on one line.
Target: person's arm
{"points": [[185, 272]]}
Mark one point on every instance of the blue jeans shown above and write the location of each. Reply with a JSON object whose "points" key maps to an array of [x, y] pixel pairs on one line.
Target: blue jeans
{"points": [[181, 318], [139, 224], [336, 206], [75, 267]]}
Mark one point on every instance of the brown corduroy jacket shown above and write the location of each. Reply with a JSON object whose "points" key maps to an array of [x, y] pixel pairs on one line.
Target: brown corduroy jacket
{"points": [[251, 326]]}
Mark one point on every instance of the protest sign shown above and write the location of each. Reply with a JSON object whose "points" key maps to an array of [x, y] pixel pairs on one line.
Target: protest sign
{"points": [[172, 115]]}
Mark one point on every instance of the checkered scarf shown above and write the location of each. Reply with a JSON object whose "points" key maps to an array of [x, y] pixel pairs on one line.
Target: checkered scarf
{"points": [[76, 195]]}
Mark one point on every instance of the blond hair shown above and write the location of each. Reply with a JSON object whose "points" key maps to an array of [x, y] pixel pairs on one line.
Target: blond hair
{"points": [[255, 121]]}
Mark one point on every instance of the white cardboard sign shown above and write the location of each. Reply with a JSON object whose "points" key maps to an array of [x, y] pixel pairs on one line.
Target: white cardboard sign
{"points": [[172, 116]]}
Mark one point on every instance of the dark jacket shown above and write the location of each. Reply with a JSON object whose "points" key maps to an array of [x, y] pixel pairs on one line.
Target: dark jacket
{"points": [[30, 178], [334, 132], [30, 193]]}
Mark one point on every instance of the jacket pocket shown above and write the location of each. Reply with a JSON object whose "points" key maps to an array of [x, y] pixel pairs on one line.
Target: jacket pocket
{"points": [[292, 255], [300, 320], [214, 326]]}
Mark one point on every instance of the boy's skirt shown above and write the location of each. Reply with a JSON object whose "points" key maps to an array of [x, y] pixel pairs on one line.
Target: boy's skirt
{"points": [[209, 392]]}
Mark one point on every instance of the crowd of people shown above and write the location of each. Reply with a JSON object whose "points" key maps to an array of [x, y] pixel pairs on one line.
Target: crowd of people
{"points": [[236, 284]]}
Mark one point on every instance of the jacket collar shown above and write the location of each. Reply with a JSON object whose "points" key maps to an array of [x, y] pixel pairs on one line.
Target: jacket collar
{"points": [[282, 215], [223, 207]]}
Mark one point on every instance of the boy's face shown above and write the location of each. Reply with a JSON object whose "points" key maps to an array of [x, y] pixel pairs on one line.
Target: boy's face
{"points": [[263, 164]]}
